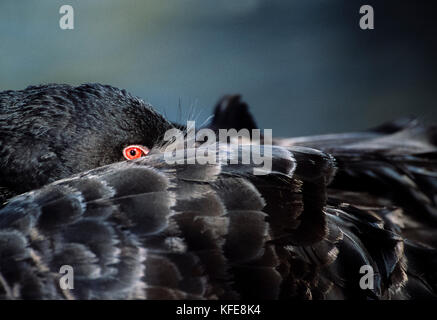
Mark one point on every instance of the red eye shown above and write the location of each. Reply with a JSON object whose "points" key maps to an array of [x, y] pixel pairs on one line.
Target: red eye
{"points": [[135, 152]]}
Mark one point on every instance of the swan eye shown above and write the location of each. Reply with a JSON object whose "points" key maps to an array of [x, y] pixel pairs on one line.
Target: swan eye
{"points": [[135, 152]]}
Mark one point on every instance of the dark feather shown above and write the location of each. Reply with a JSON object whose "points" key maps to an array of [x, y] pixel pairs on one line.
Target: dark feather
{"points": [[150, 229]]}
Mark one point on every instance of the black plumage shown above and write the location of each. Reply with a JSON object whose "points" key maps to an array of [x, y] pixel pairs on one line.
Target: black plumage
{"points": [[53, 131], [148, 229]]}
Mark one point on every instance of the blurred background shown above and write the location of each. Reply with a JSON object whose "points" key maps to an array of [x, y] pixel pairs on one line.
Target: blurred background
{"points": [[304, 67]]}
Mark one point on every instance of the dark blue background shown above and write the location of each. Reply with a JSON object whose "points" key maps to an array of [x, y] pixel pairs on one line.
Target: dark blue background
{"points": [[305, 67]]}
